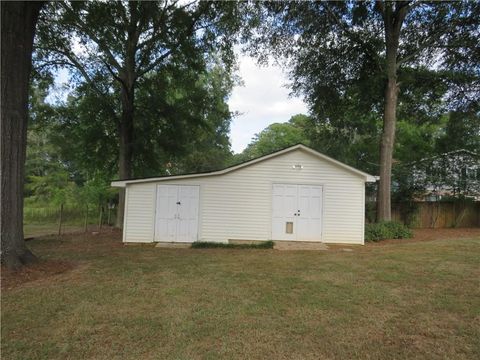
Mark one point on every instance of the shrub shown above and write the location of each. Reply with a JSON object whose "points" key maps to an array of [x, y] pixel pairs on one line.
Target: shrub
{"points": [[207, 245], [386, 230]]}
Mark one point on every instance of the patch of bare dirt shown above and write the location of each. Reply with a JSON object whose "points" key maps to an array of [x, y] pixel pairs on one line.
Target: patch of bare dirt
{"points": [[103, 242], [97, 241], [40, 270], [432, 234]]}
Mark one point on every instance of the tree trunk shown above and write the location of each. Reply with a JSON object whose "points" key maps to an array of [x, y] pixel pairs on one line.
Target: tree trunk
{"points": [[128, 79], [18, 30], [384, 212], [393, 22], [125, 130]]}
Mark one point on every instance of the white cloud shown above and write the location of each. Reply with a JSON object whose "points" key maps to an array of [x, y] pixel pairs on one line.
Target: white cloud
{"points": [[262, 100]]}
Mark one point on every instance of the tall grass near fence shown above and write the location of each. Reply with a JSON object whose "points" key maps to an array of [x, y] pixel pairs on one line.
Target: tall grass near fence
{"points": [[55, 218], [71, 215], [54, 198]]}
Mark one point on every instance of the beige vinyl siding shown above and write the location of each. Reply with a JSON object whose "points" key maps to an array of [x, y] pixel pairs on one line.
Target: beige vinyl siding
{"points": [[237, 205]]}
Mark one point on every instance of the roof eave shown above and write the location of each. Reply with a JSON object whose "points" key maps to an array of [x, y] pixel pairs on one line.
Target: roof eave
{"points": [[365, 176], [118, 184]]}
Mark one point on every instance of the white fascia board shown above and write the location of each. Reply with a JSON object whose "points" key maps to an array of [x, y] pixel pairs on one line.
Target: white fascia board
{"points": [[367, 177]]}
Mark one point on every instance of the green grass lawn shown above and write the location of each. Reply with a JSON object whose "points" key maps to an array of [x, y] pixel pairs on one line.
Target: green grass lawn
{"points": [[398, 301]]}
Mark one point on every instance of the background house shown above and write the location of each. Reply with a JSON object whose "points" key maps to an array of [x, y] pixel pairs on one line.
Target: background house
{"points": [[454, 174]]}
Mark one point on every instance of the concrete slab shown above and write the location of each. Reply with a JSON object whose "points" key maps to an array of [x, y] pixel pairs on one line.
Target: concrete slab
{"points": [[171, 245], [241, 242], [139, 244], [300, 245]]}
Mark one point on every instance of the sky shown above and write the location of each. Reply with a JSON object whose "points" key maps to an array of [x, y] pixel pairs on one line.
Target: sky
{"points": [[262, 100]]}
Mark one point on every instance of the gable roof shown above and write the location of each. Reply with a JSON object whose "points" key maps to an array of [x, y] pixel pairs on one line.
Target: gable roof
{"points": [[367, 177]]}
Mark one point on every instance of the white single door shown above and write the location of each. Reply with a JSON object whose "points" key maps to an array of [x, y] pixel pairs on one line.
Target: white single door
{"points": [[166, 215], [284, 210], [309, 216], [187, 213], [297, 212], [177, 213]]}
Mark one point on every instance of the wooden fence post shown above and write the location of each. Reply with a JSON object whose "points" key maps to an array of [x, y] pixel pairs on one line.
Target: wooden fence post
{"points": [[85, 227], [61, 220], [100, 218]]}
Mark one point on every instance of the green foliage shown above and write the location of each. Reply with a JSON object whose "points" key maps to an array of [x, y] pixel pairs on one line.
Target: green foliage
{"points": [[162, 34], [183, 78], [46, 196], [336, 55], [276, 137], [95, 191], [53, 177], [415, 140], [155, 75], [183, 126], [190, 131], [386, 230], [55, 188], [84, 132], [209, 245], [462, 131]]}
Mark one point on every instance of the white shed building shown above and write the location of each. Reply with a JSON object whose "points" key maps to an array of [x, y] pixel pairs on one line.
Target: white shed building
{"points": [[295, 194]]}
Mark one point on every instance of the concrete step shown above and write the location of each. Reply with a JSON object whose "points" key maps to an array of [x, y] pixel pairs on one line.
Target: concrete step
{"points": [[300, 245], [172, 245]]}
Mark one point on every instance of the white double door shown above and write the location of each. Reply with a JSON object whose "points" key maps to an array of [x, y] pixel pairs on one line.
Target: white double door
{"points": [[177, 213], [297, 212]]}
